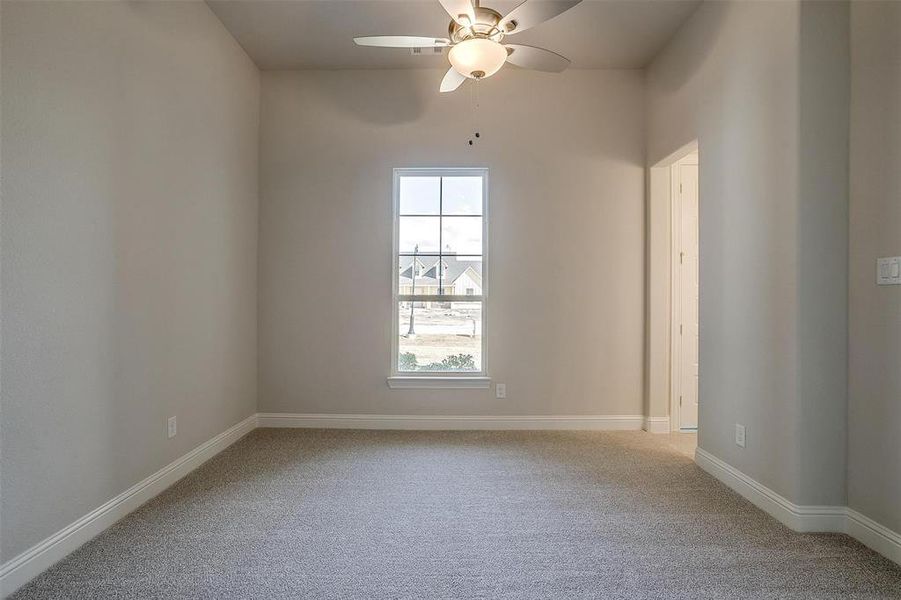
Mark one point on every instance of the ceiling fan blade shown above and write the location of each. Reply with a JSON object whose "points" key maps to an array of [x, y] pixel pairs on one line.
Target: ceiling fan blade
{"points": [[452, 80], [533, 12], [400, 41], [460, 11], [539, 59]]}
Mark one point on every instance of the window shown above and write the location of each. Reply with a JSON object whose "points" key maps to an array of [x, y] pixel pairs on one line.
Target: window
{"points": [[439, 274]]}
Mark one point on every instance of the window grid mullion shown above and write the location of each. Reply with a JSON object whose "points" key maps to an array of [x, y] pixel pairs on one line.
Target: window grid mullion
{"points": [[436, 298], [439, 270], [462, 215]]}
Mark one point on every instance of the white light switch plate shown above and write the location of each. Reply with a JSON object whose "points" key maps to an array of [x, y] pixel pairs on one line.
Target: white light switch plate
{"points": [[888, 270], [172, 426], [501, 390]]}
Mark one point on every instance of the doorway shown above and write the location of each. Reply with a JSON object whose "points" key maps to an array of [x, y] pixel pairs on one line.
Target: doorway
{"points": [[684, 295]]}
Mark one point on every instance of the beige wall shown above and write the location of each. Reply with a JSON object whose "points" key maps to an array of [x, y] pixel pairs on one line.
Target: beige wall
{"points": [[129, 242], [822, 247], [565, 317], [874, 415], [773, 199], [129, 232]]}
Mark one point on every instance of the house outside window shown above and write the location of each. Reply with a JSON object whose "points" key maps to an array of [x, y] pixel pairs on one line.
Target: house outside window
{"points": [[439, 256]]}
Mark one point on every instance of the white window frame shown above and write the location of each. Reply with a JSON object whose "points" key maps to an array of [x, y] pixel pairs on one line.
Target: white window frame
{"points": [[435, 379]]}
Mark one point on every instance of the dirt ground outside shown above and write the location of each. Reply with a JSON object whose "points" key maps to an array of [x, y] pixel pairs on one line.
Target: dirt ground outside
{"points": [[440, 332]]}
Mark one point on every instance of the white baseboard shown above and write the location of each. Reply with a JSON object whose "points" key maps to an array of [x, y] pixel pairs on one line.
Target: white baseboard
{"points": [[474, 422], [794, 516], [657, 424], [833, 519], [870, 533], [23, 568]]}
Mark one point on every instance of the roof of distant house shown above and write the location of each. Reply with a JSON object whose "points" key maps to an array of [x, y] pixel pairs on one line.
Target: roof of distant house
{"points": [[455, 267]]}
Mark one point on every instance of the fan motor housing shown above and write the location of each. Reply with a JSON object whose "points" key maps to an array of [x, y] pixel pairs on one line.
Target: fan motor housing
{"points": [[487, 26]]}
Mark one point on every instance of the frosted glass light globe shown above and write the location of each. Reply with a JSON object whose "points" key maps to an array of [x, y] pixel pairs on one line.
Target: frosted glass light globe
{"points": [[477, 58]]}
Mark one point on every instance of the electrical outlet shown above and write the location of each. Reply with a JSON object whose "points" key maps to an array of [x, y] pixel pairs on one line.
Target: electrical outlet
{"points": [[740, 435], [888, 270], [173, 427], [501, 390]]}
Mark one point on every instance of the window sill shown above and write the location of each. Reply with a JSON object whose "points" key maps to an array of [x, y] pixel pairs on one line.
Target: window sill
{"points": [[437, 382]]}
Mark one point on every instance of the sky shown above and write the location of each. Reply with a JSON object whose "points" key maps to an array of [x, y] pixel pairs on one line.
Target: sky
{"points": [[460, 229]]}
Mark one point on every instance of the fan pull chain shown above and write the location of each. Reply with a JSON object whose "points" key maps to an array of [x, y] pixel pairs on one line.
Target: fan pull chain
{"points": [[474, 105]]}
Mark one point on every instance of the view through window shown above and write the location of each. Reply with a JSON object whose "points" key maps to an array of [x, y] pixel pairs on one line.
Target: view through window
{"points": [[439, 283]]}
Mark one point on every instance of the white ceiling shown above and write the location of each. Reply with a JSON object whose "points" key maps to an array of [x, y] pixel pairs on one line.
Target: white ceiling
{"points": [[317, 34]]}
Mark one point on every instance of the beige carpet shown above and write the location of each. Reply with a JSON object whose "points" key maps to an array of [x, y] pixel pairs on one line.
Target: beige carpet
{"points": [[355, 514]]}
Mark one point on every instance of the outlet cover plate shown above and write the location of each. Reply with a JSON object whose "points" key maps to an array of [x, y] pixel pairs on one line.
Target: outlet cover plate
{"points": [[501, 390], [172, 427], [888, 270], [740, 435]]}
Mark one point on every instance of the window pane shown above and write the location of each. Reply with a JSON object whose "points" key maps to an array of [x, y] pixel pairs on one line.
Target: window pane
{"points": [[418, 231], [462, 196], [419, 195], [425, 275], [445, 336], [462, 235]]}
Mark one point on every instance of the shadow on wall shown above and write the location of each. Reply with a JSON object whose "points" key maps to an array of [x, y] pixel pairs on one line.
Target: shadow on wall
{"points": [[696, 53], [517, 109], [383, 97]]}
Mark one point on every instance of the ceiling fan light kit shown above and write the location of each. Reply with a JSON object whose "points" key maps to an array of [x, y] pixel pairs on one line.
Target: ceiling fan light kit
{"points": [[477, 57], [476, 34]]}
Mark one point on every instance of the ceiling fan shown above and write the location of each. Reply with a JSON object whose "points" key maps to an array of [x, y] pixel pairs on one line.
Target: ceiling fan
{"points": [[475, 37]]}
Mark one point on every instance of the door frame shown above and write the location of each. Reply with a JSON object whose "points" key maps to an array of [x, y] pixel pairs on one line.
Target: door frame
{"points": [[675, 350], [661, 418]]}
